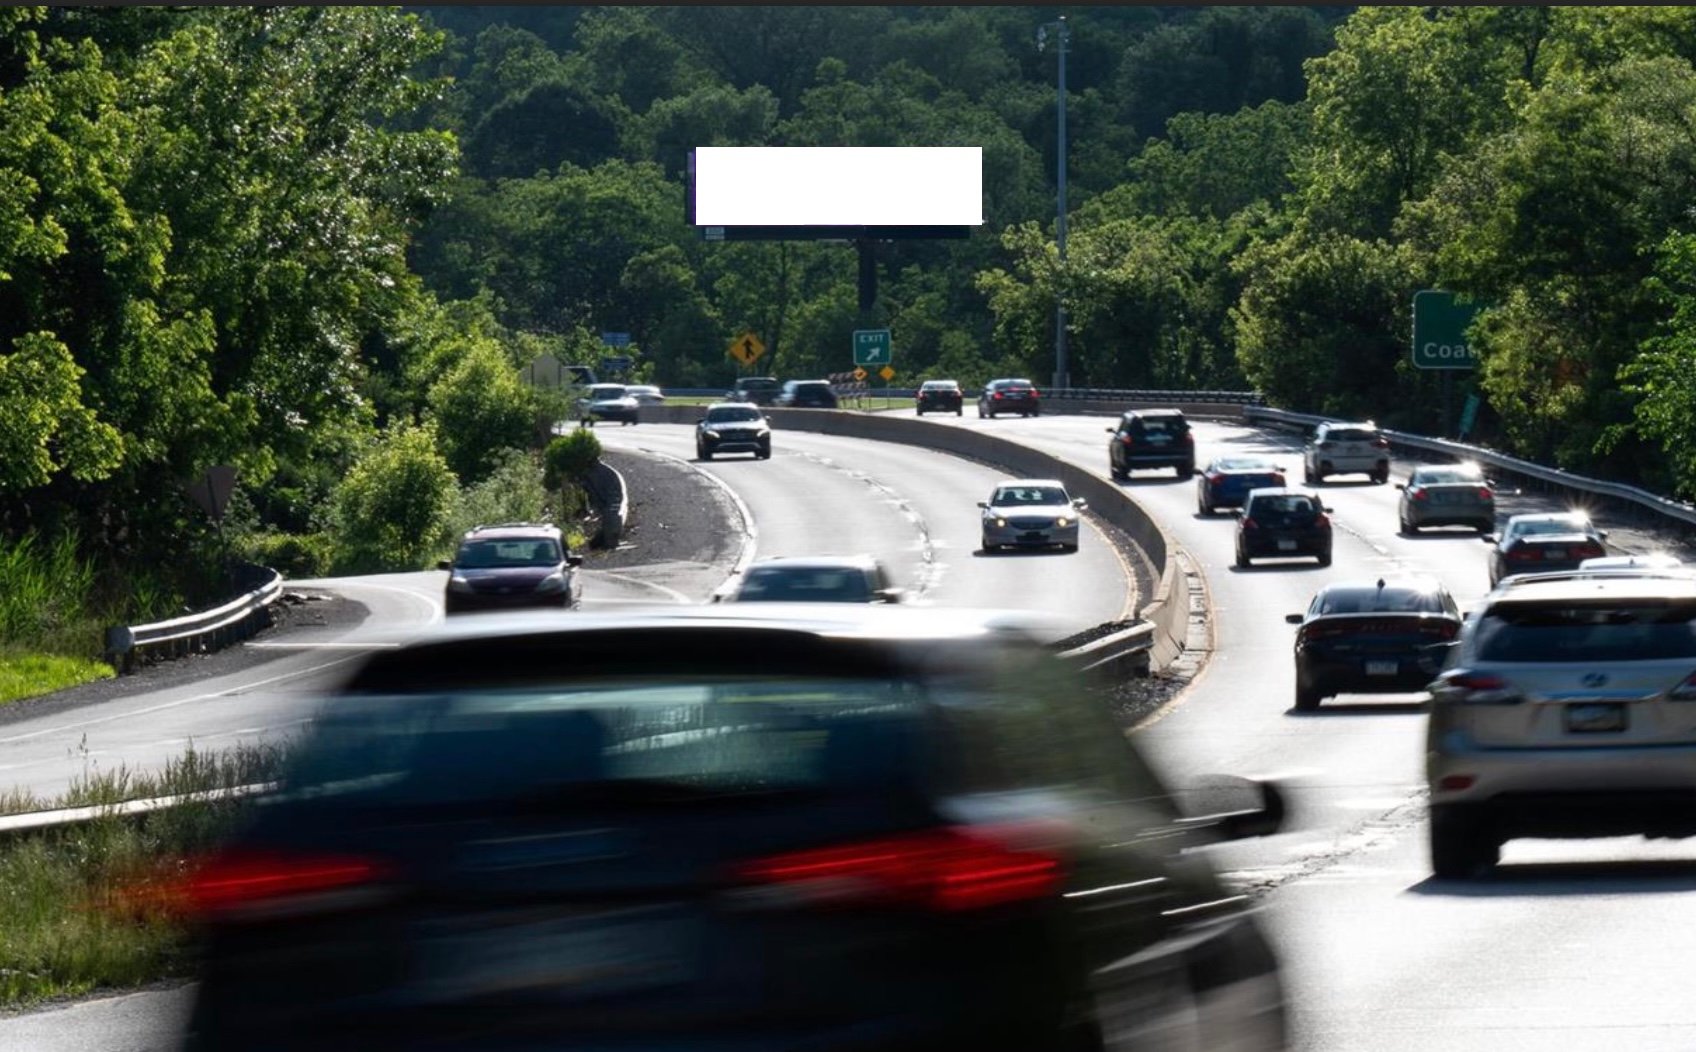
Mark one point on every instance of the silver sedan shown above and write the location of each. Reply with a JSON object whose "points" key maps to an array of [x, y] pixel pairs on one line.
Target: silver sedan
{"points": [[1030, 513]]}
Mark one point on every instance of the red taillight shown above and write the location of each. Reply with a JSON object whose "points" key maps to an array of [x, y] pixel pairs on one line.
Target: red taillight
{"points": [[1250, 524], [1588, 550], [1034, 393], [1127, 440], [1321, 521], [996, 395], [242, 879], [1521, 553], [1381, 443], [1215, 478], [1443, 629], [1189, 438], [1479, 688], [1277, 480], [1485, 494], [949, 870], [1417, 494]]}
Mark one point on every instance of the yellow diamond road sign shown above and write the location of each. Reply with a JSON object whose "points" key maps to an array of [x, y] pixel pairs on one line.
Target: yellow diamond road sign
{"points": [[859, 374], [887, 372], [747, 348]]}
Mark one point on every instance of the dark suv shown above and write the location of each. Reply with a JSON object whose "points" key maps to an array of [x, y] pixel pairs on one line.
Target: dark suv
{"points": [[760, 390], [806, 394], [895, 829], [1151, 438], [511, 566]]}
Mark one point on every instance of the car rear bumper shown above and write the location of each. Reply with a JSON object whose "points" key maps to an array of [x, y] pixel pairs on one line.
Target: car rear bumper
{"points": [[1352, 676], [1258, 545], [1626, 789]]}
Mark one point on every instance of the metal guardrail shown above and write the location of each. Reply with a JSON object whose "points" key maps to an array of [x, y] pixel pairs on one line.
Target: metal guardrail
{"points": [[1684, 513], [32, 821], [237, 619], [1111, 653]]}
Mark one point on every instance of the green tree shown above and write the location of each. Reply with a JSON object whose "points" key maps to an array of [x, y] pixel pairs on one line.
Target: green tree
{"points": [[479, 408], [392, 510]]}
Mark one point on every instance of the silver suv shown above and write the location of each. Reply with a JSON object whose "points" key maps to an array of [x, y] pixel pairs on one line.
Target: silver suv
{"points": [[1568, 709], [1339, 448]]}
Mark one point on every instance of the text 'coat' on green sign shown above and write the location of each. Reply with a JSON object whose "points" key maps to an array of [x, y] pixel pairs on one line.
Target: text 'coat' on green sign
{"points": [[1440, 321]]}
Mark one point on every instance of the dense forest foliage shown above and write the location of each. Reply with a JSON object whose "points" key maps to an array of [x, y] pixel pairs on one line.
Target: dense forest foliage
{"points": [[319, 243]]}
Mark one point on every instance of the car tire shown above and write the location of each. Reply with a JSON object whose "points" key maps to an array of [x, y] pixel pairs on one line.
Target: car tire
{"points": [[1068, 547], [1381, 476], [763, 454], [1242, 560], [704, 454], [1462, 847], [1186, 471], [1484, 527], [960, 412], [1325, 559], [1408, 528], [1201, 508], [1307, 697], [1117, 473]]}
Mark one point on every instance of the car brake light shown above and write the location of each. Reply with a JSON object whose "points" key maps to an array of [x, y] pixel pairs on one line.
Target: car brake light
{"points": [[1479, 688], [1381, 443], [1250, 524], [1439, 627], [1321, 521], [1215, 478], [996, 395], [1485, 494], [1523, 553], [1189, 437], [1685, 691], [1127, 440], [1277, 480], [948, 870], [1589, 550], [239, 880]]}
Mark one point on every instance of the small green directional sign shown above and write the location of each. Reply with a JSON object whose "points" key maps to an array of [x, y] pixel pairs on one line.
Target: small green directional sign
{"points": [[871, 346]]}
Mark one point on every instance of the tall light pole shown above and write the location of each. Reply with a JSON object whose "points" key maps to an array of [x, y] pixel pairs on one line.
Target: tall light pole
{"points": [[1062, 374]]}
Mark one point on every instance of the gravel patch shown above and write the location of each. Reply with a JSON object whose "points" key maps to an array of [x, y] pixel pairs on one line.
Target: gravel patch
{"points": [[677, 514]]}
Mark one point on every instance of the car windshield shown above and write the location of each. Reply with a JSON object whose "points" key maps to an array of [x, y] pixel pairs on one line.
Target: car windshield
{"points": [[727, 414], [494, 554], [1579, 632], [1029, 495], [806, 584], [606, 391]]}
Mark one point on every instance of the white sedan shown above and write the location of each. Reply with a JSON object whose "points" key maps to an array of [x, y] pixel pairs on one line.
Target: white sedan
{"points": [[1030, 513]]}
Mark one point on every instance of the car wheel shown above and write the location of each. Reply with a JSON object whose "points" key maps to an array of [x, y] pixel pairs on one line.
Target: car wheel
{"points": [[1325, 558], [1307, 697], [1186, 471], [1119, 474], [1307, 476], [1242, 560], [1068, 547], [764, 454], [1201, 508], [1484, 527], [1408, 527], [1382, 475], [704, 454], [960, 412], [1461, 845]]}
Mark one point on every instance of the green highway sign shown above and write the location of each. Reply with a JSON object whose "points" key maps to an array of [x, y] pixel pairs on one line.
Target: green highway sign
{"points": [[871, 346], [1440, 322]]}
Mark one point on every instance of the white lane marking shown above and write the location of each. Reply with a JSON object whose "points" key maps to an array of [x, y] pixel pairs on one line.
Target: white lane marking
{"points": [[676, 596], [930, 572], [332, 584], [320, 646], [232, 692]]}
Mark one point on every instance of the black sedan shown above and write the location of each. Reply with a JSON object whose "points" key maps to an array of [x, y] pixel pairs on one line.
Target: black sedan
{"points": [[939, 396], [1364, 637], [743, 826], [1281, 522], [1544, 542]]}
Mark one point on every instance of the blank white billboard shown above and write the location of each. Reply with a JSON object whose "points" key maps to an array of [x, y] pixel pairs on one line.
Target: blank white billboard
{"points": [[838, 186]]}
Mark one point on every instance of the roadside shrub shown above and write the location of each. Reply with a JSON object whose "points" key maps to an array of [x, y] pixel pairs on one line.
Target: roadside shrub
{"points": [[481, 407], [291, 554], [513, 492], [392, 510], [570, 458]]}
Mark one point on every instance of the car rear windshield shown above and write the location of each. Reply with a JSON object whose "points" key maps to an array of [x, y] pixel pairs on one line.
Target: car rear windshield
{"points": [[796, 584], [1284, 510], [1169, 425], [618, 741], [1522, 529], [1014, 385], [1445, 476], [1578, 632], [1379, 600], [1350, 434], [724, 414], [940, 385], [495, 554]]}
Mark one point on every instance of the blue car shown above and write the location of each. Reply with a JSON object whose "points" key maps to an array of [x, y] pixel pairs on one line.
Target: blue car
{"points": [[1225, 482]]}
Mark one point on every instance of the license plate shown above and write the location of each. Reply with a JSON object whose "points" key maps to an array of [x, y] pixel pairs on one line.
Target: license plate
{"points": [[1382, 668], [1286, 545], [593, 955], [1034, 535], [1593, 718], [1159, 439]]}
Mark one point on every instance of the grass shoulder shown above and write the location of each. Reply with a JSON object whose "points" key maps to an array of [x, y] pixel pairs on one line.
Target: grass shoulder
{"points": [[26, 674]]}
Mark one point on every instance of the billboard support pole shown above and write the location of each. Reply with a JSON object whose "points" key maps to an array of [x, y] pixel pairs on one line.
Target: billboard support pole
{"points": [[868, 274]]}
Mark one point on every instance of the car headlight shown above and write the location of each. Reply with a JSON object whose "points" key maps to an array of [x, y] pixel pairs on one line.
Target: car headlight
{"points": [[1001, 522], [762, 432], [710, 433], [458, 583], [1062, 522], [551, 584]]}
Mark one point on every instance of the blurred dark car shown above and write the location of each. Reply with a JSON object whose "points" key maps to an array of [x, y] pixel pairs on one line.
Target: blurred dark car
{"points": [[939, 396], [1281, 522], [816, 579], [509, 567], [820, 827], [1544, 542], [806, 394], [1226, 482], [1364, 637], [1009, 396], [1151, 438], [1447, 495], [760, 390]]}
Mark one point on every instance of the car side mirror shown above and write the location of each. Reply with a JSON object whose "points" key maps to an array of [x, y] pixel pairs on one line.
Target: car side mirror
{"points": [[1111, 430], [1329, 510], [1292, 619], [444, 565], [1487, 538], [574, 560], [1234, 808], [1079, 503], [888, 595], [1602, 534], [984, 504], [1401, 485]]}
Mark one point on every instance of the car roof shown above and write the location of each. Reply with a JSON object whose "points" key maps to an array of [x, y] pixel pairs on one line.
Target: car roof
{"points": [[1364, 425], [1030, 482], [1548, 516], [1243, 464], [1276, 491], [815, 562], [732, 405], [928, 383], [1154, 412], [1410, 582], [1603, 584], [509, 530], [1647, 561]]}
